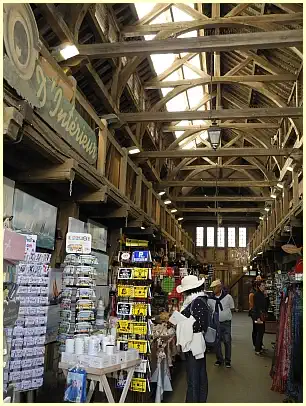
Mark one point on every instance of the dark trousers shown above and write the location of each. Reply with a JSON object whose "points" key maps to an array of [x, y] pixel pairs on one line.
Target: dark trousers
{"points": [[225, 335], [260, 331], [254, 333], [197, 383]]}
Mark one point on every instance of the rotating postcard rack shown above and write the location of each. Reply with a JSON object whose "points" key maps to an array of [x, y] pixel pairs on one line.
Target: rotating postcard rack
{"points": [[78, 302], [134, 312]]}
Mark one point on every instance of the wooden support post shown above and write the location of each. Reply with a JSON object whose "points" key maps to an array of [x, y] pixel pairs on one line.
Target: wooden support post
{"points": [[285, 199], [102, 146], [149, 197], [123, 171], [66, 210], [295, 186], [138, 187]]}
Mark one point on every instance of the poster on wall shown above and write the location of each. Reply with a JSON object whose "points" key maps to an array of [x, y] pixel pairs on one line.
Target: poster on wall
{"points": [[76, 226], [33, 216], [101, 268], [98, 234]]}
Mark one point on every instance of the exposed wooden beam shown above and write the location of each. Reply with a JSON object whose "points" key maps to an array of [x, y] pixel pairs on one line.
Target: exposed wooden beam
{"points": [[214, 43], [154, 13], [226, 114], [195, 167], [221, 183], [94, 198], [233, 219], [140, 30], [237, 10], [223, 152], [221, 198], [240, 126], [55, 174], [221, 210], [153, 84], [289, 7]]}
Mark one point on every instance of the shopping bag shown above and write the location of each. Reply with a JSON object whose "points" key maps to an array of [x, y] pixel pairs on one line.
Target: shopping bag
{"points": [[75, 391]]}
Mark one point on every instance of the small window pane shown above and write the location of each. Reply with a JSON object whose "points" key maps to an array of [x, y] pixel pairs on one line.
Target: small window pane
{"points": [[231, 237], [242, 237], [200, 237], [220, 237], [210, 236]]}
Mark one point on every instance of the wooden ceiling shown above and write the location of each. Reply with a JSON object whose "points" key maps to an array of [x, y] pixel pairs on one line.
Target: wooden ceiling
{"points": [[251, 56]]}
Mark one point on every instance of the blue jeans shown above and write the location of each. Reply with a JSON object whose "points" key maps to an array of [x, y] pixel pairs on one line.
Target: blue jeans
{"points": [[197, 383], [225, 336]]}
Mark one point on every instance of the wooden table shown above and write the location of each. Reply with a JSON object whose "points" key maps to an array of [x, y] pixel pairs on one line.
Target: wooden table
{"points": [[98, 375]]}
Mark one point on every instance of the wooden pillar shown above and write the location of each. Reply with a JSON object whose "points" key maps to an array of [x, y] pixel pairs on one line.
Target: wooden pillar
{"points": [[295, 186], [285, 199], [138, 187], [123, 171], [149, 197], [66, 210], [102, 146]]}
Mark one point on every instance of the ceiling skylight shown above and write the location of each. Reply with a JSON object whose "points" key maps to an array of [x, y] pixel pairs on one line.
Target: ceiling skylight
{"points": [[187, 100]]}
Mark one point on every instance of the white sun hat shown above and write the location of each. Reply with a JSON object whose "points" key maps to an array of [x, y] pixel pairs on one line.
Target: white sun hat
{"points": [[189, 282]]}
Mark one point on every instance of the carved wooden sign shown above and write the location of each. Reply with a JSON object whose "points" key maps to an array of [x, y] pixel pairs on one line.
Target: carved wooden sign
{"points": [[23, 69]]}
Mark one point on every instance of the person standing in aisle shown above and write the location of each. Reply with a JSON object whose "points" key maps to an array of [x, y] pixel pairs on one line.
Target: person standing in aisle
{"points": [[260, 311], [190, 337], [223, 305], [251, 307]]}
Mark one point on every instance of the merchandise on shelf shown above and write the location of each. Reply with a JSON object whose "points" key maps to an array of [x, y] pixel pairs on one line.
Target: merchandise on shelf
{"points": [[78, 305], [133, 325], [26, 366]]}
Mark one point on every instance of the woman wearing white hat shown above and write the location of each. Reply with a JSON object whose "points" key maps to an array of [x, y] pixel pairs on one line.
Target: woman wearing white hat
{"points": [[190, 336]]}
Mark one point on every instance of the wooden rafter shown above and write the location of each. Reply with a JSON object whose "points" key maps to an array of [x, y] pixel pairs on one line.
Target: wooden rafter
{"points": [[214, 43], [239, 126], [215, 22], [251, 113], [223, 152], [222, 183], [203, 199], [221, 210]]}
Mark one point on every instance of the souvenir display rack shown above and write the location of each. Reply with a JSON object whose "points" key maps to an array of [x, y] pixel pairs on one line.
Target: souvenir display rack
{"points": [[78, 303], [133, 315], [26, 366]]}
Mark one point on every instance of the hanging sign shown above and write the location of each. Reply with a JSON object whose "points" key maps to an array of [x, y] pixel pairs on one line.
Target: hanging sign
{"points": [[28, 74], [140, 292], [136, 243], [78, 243], [141, 256], [125, 291], [139, 328], [125, 273], [139, 345], [138, 385], [124, 309], [124, 326], [140, 309], [140, 273], [124, 256]]}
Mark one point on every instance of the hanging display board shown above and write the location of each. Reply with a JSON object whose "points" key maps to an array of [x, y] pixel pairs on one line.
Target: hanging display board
{"points": [[28, 74], [78, 243], [136, 243]]}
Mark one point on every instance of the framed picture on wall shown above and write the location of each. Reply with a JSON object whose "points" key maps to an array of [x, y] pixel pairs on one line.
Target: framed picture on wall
{"points": [[33, 216], [102, 268], [98, 235]]}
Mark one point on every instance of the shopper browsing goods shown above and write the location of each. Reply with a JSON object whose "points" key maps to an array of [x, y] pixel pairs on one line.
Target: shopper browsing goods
{"points": [[223, 304], [191, 323]]}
